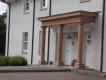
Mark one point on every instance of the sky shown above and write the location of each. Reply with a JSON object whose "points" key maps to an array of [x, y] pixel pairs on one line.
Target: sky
{"points": [[3, 8]]}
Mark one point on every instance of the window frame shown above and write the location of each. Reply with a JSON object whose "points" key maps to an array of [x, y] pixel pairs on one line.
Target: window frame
{"points": [[44, 4], [25, 40], [26, 6]]}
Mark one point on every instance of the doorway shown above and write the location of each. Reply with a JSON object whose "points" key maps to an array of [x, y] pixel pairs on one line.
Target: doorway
{"points": [[67, 53]]}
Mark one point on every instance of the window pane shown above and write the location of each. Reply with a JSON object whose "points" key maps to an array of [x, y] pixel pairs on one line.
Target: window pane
{"points": [[25, 36], [44, 3], [25, 42], [25, 45], [26, 6]]}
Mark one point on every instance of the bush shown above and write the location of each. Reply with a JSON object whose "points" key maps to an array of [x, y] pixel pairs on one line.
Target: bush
{"points": [[4, 61], [18, 61], [13, 61]]}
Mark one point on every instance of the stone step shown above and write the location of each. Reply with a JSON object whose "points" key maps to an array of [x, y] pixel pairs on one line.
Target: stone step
{"points": [[34, 69]]}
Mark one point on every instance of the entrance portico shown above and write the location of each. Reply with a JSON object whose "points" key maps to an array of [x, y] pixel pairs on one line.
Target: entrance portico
{"points": [[78, 17]]}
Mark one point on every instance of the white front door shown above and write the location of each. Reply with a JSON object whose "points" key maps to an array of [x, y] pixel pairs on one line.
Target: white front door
{"points": [[67, 50], [88, 53]]}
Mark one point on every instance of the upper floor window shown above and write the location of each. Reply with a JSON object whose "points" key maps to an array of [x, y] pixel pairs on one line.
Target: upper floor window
{"points": [[26, 5], [44, 4]]}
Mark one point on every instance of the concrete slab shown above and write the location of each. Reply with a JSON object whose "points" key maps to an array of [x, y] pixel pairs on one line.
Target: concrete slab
{"points": [[48, 76]]}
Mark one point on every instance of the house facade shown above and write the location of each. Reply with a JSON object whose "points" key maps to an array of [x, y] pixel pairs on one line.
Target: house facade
{"points": [[58, 32]]}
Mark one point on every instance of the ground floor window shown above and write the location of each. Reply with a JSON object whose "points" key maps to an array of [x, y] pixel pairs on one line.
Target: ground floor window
{"points": [[40, 41], [25, 43]]}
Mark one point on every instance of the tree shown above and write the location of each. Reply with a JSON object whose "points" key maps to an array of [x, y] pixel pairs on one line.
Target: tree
{"points": [[3, 22], [3, 18]]}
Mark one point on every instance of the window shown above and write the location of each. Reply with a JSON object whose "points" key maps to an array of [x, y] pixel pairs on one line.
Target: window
{"points": [[89, 38], [43, 4], [25, 42], [40, 41], [26, 6]]}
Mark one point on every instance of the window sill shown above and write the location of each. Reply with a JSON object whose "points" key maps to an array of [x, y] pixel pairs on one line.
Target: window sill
{"points": [[83, 1], [26, 12], [42, 9], [25, 52]]}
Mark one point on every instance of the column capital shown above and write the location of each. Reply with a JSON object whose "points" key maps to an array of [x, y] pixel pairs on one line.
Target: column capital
{"points": [[60, 25], [43, 27], [82, 24]]}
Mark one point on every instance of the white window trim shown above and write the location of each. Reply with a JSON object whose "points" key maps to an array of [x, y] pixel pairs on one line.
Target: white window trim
{"points": [[25, 3], [24, 51], [44, 7]]}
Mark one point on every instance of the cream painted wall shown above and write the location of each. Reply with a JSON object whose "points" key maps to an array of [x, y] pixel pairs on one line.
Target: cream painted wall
{"points": [[20, 22]]}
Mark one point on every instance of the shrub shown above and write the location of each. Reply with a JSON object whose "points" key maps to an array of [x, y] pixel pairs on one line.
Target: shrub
{"points": [[7, 59], [18, 61], [4, 61]]}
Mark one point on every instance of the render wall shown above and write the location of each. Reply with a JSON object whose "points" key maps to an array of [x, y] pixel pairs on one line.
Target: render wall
{"points": [[20, 22]]}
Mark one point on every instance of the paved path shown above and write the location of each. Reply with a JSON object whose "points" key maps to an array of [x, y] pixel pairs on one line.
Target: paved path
{"points": [[47, 76]]}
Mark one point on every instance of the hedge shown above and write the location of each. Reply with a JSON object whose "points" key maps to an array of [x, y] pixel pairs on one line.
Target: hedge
{"points": [[3, 61], [18, 61], [13, 61]]}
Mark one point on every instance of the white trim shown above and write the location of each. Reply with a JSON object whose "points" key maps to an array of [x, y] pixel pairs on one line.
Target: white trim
{"points": [[46, 3], [24, 51], [25, 6]]}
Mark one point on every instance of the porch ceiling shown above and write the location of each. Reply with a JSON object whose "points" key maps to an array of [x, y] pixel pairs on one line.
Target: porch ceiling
{"points": [[69, 18]]}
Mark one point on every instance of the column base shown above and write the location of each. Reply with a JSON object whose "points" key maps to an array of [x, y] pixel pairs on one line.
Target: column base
{"points": [[42, 62], [80, 66], [58, 64]]}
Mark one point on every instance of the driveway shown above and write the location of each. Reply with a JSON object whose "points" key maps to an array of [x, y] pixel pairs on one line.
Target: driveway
{"points": [[47, 76]]}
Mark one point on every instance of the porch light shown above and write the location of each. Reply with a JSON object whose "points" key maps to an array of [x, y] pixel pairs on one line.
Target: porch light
{"points": [[89, 39]]}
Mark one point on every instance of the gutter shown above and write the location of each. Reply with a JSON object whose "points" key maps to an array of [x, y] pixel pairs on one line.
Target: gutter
{"points": [[48, 53], [33, 25], [102, 42], [8, 29]]}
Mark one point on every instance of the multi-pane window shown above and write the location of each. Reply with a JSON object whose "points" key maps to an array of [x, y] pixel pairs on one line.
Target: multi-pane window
{"points": [[44, 4], [26, 5], [25, 42], [40, 41]]}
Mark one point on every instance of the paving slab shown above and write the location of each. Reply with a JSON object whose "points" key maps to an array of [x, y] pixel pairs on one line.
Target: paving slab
{"points": [[48, 76]]}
